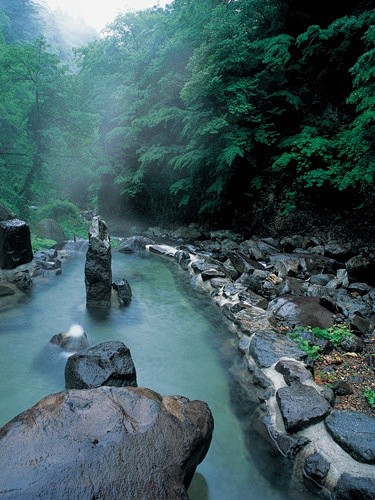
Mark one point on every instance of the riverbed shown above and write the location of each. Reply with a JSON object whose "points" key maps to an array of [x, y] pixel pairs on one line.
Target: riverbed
{"points": [[178, 347]]}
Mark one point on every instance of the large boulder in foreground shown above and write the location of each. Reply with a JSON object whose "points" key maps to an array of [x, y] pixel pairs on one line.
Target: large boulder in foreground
{"points": [[15, 244], [109, 363], [107, 443]]}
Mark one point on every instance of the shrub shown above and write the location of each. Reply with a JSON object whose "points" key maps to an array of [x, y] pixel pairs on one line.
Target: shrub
{"points": [[66, 214], [369, 394]]}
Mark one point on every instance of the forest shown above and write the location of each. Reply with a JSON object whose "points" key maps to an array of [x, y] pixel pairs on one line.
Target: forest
{"points": [[251, 114]]}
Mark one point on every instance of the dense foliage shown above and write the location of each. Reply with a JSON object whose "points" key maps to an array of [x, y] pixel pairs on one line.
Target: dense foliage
{"points": [[220, 110]]}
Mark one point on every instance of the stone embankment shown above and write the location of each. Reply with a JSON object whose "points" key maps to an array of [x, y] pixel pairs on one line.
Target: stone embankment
{"points": [[266, 288]]}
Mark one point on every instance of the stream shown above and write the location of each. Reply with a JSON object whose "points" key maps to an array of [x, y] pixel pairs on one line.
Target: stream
{"points": [[176, 340]]}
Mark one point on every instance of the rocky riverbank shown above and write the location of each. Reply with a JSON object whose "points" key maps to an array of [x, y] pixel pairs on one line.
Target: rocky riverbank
{"points": [[303, 311]]}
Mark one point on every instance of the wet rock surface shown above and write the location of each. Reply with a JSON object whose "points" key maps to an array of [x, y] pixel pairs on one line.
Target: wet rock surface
{"points": [[301, 406], [355, 433], [98, 271], [352, 487], [267, 347], [108, 364], [69, 342], [123, 443], [135, 244], [124, 292], [15, 244]]}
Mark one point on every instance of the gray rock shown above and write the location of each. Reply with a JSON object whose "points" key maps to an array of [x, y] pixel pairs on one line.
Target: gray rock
{"points": [[10, 295], [350, 306], [123, 443], [342, 388], [135, 244], [212, 272], [351, 487], [251, 319], [109, 363], [321, 279], [15, 244], [124, 292], [361, 269], [293, 372], [316, 467], [286, 264], [360, 288], [232, 289], [51, 229], [219, 282], [244, 264], [303, 311], [98, 271], [290, 243], [190, 233], [354, 432], [183, 258], [301, 406], [253, 299], [293, 286], [267, 347], [74, 340]]}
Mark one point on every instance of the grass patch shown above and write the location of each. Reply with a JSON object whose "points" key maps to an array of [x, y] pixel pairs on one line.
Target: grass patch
{"points": [[41, 243]]}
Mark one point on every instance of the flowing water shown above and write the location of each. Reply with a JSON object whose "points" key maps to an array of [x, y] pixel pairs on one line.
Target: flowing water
{"points": [[175, 340]]}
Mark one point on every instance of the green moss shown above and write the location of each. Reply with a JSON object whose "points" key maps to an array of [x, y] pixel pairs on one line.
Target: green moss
{"points": [[41, 243]]}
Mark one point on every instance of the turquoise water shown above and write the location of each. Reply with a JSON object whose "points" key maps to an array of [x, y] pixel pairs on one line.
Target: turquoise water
{"points": [[172, 341]]}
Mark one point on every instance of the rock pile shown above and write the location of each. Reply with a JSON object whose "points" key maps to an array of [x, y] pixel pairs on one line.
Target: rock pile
{"points": [[265, 287]]}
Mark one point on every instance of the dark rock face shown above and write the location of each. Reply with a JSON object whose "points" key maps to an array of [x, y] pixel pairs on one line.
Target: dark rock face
{"points": [[15, 244], [124, 292], [109, 363], [354, 488], [98, 272], [355, 432], [361, 269], [135, 244], [104, 443], [315, 472], [293, 372], [51, 229], [303, 311], [317, 467], [267, 347], [301, 406]]}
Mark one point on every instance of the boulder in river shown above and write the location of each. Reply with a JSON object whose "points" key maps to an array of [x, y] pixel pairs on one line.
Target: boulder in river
{"points": [[124, 292], [109, 363], [98, 271], [15, 244], [74, 340], [108, 443]]}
